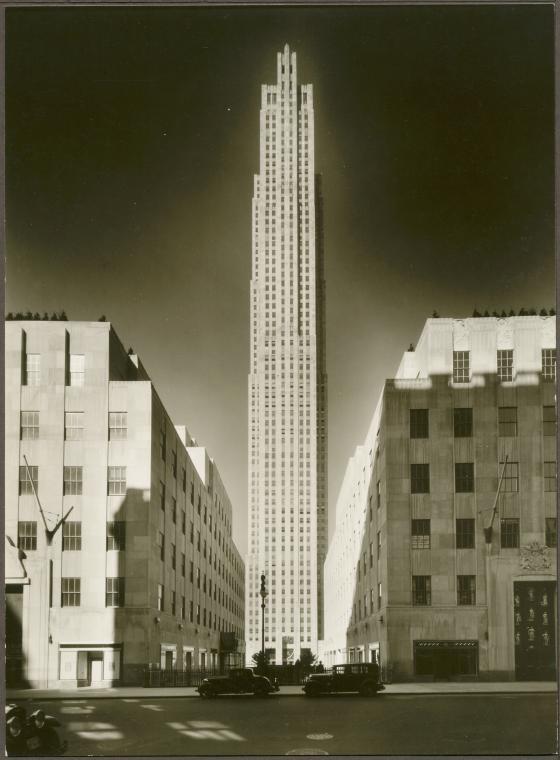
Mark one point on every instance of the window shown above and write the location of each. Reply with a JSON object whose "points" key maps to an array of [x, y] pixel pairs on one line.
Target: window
{"points": [[29, 429], [118, 423], [549, 420], [464, 477], [160, 597], [548, 364], [191, 612], [173, 556], [114, 592], [71, 536], [463, 422], [510, 483], [25, 483], [420, 534], [72, 485], [509, 534], [191, 572], [70, 592], [183, 564], [507, 421], [550, 532], [174, 463], [116, 535], [174, 509], [161, 544], [421, 590], [378, 494], [32, 369], [173, 602], [419, 420], [27, 536], [461, 366], [183, 608], [505, 365], [464, 533], [77, 365], [466, 589], [550, 477], [419, 478], [117, 480], [73, 426], [162, 495]]}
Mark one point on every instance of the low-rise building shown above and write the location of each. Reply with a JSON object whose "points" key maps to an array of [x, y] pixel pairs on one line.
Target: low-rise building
{"points": [[453, 540], [120, 554]]}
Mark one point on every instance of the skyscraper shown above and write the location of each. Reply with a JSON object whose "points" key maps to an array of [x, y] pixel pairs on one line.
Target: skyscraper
{"points": [[287, 380]]}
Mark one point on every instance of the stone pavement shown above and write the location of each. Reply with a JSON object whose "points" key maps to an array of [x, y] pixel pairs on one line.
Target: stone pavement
{"points": [[138, 692]]}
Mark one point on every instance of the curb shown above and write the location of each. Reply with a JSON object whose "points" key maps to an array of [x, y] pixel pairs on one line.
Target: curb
{"points": [[60, 697]]}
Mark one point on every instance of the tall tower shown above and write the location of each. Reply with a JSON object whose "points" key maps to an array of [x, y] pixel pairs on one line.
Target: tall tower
{"points": [[287, 380]]}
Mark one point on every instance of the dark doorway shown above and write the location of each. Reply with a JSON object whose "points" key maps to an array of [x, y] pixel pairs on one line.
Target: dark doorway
{"points": [[535, 630], [446, 660], [14, 635]]}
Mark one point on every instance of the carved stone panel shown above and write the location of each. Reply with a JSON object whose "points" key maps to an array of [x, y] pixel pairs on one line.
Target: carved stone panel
{"points": [[534, 557]]}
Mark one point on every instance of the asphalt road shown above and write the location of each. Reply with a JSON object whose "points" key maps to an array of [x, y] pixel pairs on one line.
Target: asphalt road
{"points": [[336, 725]]}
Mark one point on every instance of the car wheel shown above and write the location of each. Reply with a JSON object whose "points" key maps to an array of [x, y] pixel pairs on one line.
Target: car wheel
{"points": [[207, 692], [368, 690], [312, 691]]}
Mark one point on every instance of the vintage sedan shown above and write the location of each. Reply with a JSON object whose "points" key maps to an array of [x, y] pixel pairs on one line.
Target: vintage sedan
{"points": [[238, 681], [362, 677]]}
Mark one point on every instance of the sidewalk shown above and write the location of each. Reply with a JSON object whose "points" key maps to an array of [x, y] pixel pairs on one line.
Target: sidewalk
{"points": [[138, 692]]}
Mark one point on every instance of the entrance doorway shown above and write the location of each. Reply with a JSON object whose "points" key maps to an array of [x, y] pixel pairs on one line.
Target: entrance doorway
{"points": [[445, 660], [90, 667], [14, 636], [534, 612]]}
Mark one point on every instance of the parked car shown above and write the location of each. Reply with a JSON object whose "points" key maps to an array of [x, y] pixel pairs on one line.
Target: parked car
{"points": [[35, 734], [238, 681], [362, 677]]}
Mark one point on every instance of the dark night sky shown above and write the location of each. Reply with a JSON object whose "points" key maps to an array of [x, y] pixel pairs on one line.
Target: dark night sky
{"points": [[131, 143]]}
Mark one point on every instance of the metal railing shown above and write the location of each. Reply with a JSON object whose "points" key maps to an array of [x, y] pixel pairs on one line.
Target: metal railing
{"points": [[161, 677]]}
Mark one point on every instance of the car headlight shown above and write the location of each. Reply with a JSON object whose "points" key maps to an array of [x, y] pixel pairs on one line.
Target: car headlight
{"points": [[15, 727], [38, 718]]}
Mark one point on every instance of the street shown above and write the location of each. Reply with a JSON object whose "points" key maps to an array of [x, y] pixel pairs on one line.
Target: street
{"points": [[338, 725]]}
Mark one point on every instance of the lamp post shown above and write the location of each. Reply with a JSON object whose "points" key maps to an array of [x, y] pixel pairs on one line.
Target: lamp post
{"points": [[263, 597]]}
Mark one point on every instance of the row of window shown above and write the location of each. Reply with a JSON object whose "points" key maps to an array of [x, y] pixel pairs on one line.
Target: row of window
{"points": [[422, 594], [72, 535], [75, 369], [217, 623], [71, 589], [72, 480], [116, 541], [463, 422], [504, 365], [465, 533], [73, 426], [464, 477]]}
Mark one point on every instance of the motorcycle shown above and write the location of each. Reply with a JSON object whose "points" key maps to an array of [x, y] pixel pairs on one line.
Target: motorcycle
{"points": [[34, 734]]}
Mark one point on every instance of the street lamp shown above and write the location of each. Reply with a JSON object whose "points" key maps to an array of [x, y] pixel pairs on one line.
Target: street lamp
{"points": [[263, 597]]}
